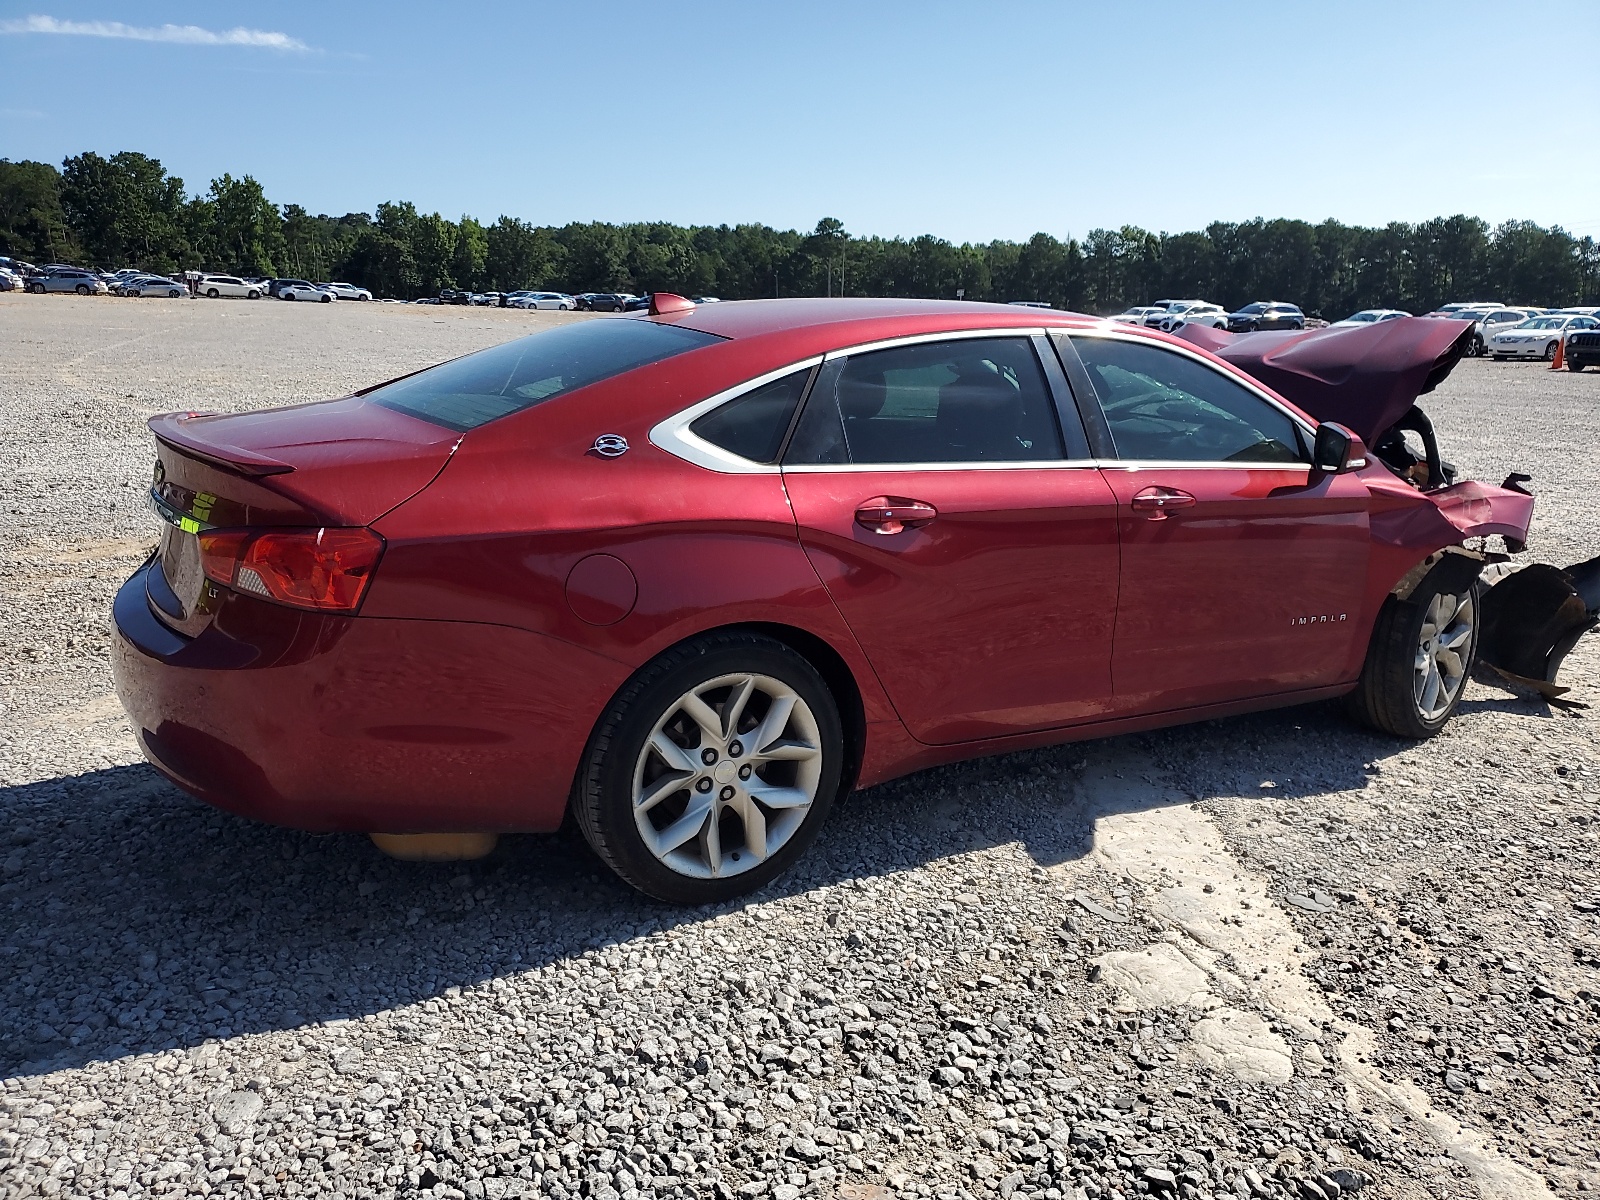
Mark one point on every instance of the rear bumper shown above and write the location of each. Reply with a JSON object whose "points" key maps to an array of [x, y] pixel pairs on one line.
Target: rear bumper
{"points": [[361, 724]]}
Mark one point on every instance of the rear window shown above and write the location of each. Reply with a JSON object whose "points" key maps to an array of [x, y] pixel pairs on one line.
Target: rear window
{"points": [[481, 387]]}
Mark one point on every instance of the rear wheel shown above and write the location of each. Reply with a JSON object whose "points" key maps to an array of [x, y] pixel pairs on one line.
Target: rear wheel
{"points": [[1422, 651], [713, 770]]}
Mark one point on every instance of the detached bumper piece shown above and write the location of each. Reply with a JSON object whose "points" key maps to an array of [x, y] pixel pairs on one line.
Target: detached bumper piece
{"points": [[1532, 619]]}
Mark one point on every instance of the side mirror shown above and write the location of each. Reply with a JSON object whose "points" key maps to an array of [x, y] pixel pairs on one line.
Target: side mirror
{"points": [[1337, 450]]}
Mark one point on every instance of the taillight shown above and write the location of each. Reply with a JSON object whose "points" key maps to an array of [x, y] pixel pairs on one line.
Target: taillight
{"points": [[326, 569]]}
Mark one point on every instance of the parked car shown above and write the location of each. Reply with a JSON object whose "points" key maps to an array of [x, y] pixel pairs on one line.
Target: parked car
{"points": [[1537, 337], [1582, 349], [17, 266], [10, 281], [599, 302], [1458, 305], [1192, 312], [455, 296], [1137, 314], [1266, 314], [1370, 316], [68, 279], [217, 287], [154, 285], [802, 542], [638, 303], [1496, 320], [554, 301], [305, 291], [348, 291]]}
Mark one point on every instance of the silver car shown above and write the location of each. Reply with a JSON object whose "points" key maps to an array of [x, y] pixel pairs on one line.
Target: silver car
{"points": [[85, 283]]}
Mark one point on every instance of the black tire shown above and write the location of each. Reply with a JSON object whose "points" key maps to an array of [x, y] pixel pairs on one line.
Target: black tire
{"points": [[1386, 696], [1498, 357], [326, 300], [174, 294], [82, 289], [1574, 365], [252, 295], [214, 294], [602, 800], [1550, 352], [36, 288]]}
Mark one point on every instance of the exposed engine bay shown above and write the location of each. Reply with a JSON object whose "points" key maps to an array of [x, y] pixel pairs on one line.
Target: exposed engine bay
{"points": [[1368, 379]]}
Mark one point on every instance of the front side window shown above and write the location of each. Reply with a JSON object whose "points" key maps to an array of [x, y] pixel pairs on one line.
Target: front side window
{"points": [[968, 400], [752, 425], [474, 390], [1162, 406]]}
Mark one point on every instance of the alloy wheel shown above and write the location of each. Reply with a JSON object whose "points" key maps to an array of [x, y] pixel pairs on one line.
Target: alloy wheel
{"points": [[1441, 645], [727, 775]]}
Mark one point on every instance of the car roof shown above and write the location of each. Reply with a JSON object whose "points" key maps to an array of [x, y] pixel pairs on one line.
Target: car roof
{"points": [[877, 317]]}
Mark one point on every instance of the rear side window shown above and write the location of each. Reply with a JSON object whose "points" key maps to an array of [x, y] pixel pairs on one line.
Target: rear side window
{"points": [[967, 400], [752, 425], [475, 390], [1162, 406]]}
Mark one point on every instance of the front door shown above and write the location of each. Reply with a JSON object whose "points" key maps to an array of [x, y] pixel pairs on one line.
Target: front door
{"points": [[969, 544], [1243, 569]]}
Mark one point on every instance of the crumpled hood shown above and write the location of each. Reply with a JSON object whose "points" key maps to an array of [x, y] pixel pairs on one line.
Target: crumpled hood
{"points": [[1364, 377]]}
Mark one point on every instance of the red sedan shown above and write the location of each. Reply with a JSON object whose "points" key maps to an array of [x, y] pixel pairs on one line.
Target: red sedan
{"points": [[697, 572]]}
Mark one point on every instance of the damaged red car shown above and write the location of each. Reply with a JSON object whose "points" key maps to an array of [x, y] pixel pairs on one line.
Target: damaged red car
{"points": [[693, 574]]}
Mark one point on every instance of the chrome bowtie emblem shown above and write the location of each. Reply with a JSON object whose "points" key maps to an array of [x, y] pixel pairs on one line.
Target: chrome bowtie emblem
{"points": [[610, 445]]}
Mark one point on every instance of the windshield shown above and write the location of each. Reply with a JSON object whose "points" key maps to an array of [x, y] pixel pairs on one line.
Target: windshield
{"points": [[1254, 308], [1544, 323], [474, 390], [1363, 317]]}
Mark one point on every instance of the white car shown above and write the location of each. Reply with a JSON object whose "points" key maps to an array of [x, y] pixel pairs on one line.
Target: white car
{"points": [[1369, 316], [1137, 314], [152, 285], [10, 281], [1536, 337], [1192, 312], [348, 291], [1498, 320], [555, 301], [305, 291], [231, 286]]}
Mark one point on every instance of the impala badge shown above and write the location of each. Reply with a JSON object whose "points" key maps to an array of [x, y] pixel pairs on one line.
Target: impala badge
{"points": [[610, 445]]}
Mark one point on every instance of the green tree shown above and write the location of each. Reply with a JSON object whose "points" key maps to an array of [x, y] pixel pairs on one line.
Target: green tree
{"points": [[125, 210], [33, 224], [244, 233]]}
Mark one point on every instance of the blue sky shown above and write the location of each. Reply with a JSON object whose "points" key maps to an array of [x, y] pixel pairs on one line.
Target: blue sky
{"points": [[968, 121]]}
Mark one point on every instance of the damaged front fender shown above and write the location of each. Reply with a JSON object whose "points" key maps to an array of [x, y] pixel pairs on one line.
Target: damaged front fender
{"points": [[1533, 617]]}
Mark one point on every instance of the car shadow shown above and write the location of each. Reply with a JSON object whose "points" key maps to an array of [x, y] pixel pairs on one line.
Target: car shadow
{"points": [[142, 920]]}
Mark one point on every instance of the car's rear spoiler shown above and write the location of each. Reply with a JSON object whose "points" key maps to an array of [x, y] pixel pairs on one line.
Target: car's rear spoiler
{"points": [[169, 428]]}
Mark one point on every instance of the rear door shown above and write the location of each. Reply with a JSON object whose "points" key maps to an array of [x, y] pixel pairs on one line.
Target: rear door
{"points": [[1242, 569], [962, 530]]}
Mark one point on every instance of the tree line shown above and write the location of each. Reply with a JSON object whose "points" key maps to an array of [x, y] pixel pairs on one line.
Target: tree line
{"points": [[127, 210]]}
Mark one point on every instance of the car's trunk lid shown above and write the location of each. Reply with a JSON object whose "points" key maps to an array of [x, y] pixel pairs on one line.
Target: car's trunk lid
{"points": [[337, 462]]}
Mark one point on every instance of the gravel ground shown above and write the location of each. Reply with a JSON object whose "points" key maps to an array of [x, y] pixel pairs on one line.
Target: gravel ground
{"points": [[1271, 956]]}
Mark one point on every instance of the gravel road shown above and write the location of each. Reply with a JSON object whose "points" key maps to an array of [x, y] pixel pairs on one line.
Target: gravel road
{"points": [[1275, 956]]}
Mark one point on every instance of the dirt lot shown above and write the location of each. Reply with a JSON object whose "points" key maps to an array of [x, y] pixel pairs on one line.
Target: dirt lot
{"points": [[1271, 956]]}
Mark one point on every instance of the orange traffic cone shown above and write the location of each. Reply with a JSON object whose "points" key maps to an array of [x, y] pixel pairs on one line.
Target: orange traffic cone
{"points": [[1560, 360]]}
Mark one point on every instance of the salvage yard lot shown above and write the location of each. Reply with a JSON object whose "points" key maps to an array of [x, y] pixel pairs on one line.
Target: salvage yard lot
{"points": [[1276, 955]]}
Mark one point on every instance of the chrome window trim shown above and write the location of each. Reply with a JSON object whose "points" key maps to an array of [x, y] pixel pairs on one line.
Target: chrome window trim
{"points": [[1110, 330], [948, 335], [1044, 464], [675, 437]]}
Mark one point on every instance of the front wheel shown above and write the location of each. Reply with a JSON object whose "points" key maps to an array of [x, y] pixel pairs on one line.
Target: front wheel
{"points": [[82, 289], [1422, 651], [252, 295], [713, 770], [327, 300], [1550, 352], [213, 293], [1574, 365]]}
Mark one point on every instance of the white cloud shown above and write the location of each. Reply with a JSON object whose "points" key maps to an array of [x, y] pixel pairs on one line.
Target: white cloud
{"points": [[187, 35]]}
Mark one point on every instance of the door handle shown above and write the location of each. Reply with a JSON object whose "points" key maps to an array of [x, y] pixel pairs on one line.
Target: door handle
{"points": [[1157, 502], [894, 514]]}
